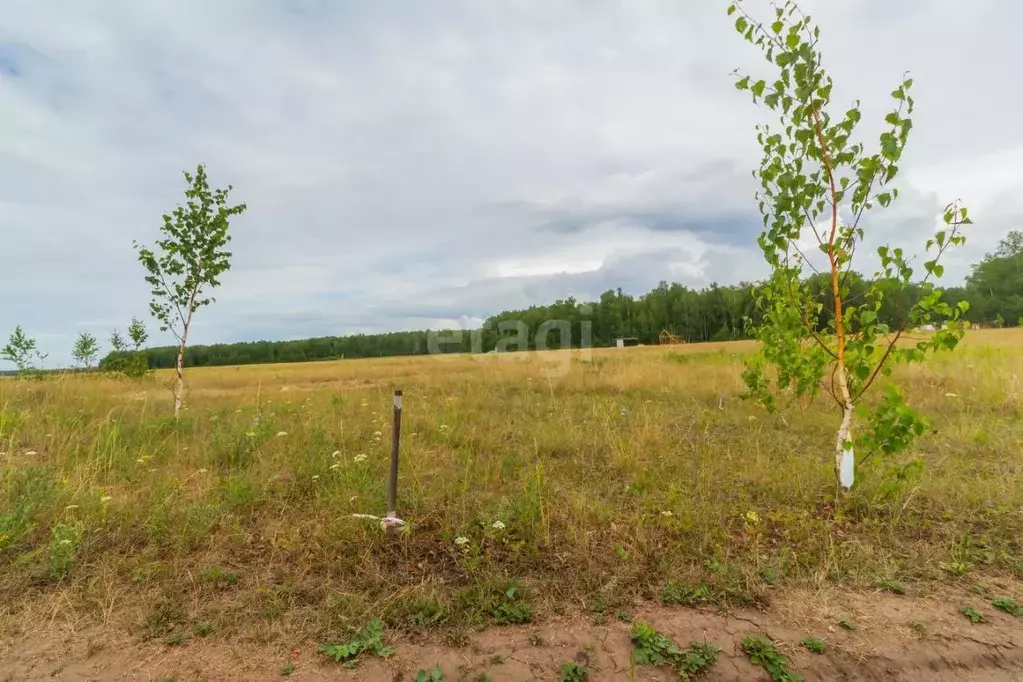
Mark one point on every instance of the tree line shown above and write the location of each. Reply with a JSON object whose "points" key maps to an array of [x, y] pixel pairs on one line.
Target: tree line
{"points": [[994, 292]]}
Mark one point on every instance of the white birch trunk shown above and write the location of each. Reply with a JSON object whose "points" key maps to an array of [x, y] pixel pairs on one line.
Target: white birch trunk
{"points": [[179, 384], [844, 459], [845, 466]]}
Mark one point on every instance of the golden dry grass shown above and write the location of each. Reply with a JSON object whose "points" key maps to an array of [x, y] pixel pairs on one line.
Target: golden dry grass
{"points": [[614, 474]]}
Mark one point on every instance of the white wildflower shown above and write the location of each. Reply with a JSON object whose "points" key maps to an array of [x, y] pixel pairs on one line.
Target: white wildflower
{"points": [[30, 452], [202, 471], [360, 457], [443, 427], [378, 433], [497, 525], [335, 454], [335, 466], [71, 506], [316, 477], [666, 513], [951, 395], [461, 541], [281, 434], [105, 499]]}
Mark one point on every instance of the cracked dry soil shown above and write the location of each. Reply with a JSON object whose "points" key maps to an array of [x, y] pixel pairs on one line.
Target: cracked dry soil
{"points": [[896, 638]]}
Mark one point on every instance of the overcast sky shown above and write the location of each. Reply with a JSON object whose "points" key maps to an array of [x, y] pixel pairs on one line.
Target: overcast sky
{"points": [[414, 164]]}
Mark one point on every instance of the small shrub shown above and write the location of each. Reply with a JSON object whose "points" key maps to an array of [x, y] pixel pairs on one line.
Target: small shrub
{"points": [[1008, 605], [435, 675], [846, 624], [202, 629], [64, 542], [176, 639], [655, 648], [369, 639], [675, 593], [767, 656], [890, 586], [428, 613], [28, 492], [163, 619], [814, 645], [500, 605], [973, 614], [573, 671], [218, 577]]}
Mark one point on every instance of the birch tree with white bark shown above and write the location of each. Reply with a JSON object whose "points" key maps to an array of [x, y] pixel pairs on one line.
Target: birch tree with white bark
{"points": [[819, 188], [187, 261]]}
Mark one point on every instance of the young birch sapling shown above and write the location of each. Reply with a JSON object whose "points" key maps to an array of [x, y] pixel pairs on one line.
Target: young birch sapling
{"points": [[816, 186], [188, 261]]}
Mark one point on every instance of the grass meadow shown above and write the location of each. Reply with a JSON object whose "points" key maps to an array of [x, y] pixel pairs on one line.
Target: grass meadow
{"points": [[628, 474]]}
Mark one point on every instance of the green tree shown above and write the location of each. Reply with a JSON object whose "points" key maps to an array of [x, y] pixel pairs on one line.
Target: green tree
{"points": [[23, 352], [817, 183], [117, 341], [188, 261], [995, 285], [85, 349], [138, 333]]}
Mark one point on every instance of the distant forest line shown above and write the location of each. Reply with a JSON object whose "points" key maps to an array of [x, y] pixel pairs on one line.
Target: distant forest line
{"points": [[994, 291]]}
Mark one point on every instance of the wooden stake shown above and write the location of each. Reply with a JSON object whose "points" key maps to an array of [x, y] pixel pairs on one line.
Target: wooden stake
{"points": [[392, 484]]}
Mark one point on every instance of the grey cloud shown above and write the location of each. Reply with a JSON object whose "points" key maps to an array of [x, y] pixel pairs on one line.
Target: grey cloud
{"points": [[408, 161]]}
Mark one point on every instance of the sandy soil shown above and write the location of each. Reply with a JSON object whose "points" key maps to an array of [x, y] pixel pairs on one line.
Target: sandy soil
{"points": [[896, 638]]}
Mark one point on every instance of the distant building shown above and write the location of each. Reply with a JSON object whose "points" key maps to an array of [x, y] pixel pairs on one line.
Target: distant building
{"points": [[626, 341]]}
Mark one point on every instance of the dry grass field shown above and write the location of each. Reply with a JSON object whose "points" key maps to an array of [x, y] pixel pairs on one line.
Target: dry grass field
{"points": [[589, 483]]}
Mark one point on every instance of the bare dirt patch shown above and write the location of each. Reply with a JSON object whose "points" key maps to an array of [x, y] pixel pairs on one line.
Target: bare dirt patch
{"points": [[895, 637]]}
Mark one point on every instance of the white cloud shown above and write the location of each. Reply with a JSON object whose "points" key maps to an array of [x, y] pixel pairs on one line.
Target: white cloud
{"points": [[413, 164]]}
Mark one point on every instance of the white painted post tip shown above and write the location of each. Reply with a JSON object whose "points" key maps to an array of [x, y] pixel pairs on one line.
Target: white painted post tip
{"points": [[847, 470]]}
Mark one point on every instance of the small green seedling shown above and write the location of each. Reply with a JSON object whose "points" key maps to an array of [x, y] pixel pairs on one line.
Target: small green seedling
{"points": [[435, 675], [814, 645], [973, 614], [655, 648], [288, 668], [623, 615], [202, 629], [1008, 605], [176, 639], [537, 640], [846, 624], [369, 639], [890, 586], [573, 671], [767, 656]]}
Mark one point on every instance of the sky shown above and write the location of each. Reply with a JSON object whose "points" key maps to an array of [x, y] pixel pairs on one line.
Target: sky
{"points": [[411, 165]]}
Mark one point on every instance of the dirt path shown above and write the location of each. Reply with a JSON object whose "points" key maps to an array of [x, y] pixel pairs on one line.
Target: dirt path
{"points": [[895, 638]]}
